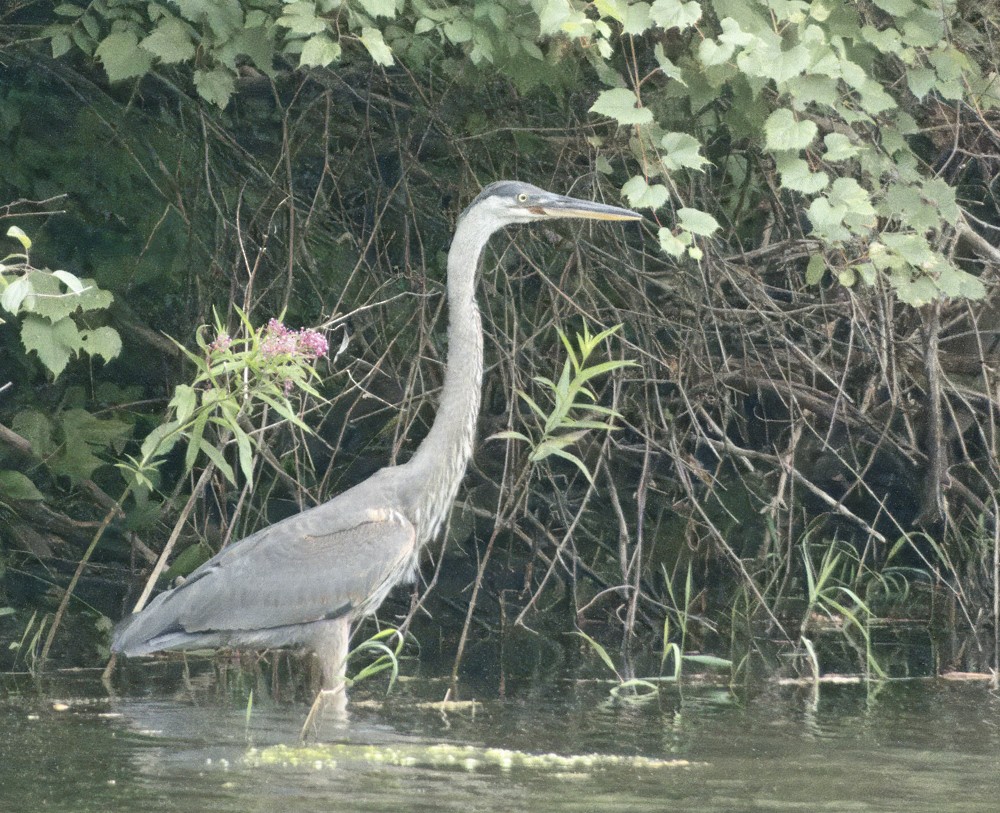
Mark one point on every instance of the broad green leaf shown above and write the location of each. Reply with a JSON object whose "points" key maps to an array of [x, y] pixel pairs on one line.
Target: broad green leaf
{"points": [[674, 246], [61, 43], [921, 81], [636, 19], [458, 30], [67, 10], [83, 435], [796, 175], [319, 51], [170, 41], [253, 42], [380, 53], [839, 147], [36, 428], [379, 8], [815, 269], [620, 104], [15, 294], [55, 344], [697, 222], [897, 8], [49, 300], [675, 13], [615, 9], [641, 194], [783, 132], [16, 486], [712, 53], [122, 57], [859, 213], [215, 86], [942, 195], [827, 220], [102, 341], [71, 281], [913, 248], [300, 18]]}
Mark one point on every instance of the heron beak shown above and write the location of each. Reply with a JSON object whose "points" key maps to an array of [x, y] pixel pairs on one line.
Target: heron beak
{"points": [[559, 206]]}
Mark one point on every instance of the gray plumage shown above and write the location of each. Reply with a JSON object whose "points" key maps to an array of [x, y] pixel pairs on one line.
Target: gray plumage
{"points": [[303, 581]]}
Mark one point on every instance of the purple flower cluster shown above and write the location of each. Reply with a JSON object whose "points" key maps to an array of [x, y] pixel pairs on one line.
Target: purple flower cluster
{"points": [[222, 342], [278, 340]]}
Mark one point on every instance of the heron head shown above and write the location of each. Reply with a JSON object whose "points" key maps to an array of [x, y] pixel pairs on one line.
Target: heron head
{"points": [[510, 202]]}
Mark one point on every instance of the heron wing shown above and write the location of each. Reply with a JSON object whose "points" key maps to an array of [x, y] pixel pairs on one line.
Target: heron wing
{"points": [[339, 558]]}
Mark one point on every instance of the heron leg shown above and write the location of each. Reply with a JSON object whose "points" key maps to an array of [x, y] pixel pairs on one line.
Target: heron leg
{"points": [[331, 647]]}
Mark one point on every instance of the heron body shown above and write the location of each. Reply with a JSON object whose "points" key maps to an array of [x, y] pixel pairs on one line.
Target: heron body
{"points": [[304, 581]]}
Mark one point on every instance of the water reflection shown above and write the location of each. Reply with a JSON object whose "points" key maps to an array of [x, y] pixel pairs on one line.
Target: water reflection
{"points": [[913, 747]]}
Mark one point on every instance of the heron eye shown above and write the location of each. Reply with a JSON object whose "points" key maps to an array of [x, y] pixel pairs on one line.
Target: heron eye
{"points": [[522, 197]]}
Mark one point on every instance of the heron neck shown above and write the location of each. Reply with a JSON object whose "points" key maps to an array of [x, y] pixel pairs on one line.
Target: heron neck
{"points": [[441, 459]]}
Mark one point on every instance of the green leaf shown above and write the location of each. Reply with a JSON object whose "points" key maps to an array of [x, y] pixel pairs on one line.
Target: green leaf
{"points": [[16, 486], [67, 10], [674, 246], [82, 435], [18, 234], [184, 402], [122, 57], [670, 70], [641, 195], [783, 132], [161, 440], [839, 147], [215, 86], [55, 344], [103, 341], [319, 51], [621, 104], [682, 150], [71, 281], [380, 53], [897, 8], [697, 222], [859, 214], [220, 462], [796, 175], [15, 294], [458, 30], [300, 18], [815, 269], [245, 451], [921, 81], [674, 13], [827, 220], [170, 41], [379, 8], [36, 428]]}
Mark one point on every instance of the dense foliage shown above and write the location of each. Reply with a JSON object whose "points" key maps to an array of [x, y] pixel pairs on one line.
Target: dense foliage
{"points": [[806, 440]]}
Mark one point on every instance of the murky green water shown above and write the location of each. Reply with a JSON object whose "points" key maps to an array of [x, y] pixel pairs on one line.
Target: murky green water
{"points": [[907, 747]]}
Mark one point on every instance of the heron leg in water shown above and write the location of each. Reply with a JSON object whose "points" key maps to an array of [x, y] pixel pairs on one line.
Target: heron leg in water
{"points": [[330, 647]]}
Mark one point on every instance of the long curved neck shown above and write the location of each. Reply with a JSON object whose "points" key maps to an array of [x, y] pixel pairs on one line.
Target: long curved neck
{"points": [[439, 462]]}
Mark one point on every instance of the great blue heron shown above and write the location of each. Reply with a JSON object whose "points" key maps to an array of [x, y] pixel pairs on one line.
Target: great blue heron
{"points": [[303, 581]]}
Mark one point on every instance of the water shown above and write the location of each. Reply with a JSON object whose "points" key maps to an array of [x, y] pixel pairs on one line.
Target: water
{"points": [[920, 746]]}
